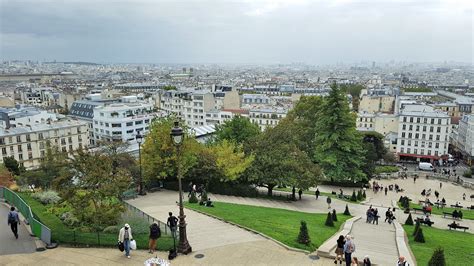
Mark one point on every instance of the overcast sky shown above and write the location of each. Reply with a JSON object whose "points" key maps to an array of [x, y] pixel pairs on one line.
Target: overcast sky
{"points": [[239, 31]]}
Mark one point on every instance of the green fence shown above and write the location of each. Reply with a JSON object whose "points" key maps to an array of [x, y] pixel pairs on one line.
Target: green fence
{"points": [[39, 230]]}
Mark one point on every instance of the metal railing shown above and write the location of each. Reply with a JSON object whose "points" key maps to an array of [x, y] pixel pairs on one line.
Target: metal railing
{"points": [[39, 230], [163, 226]]}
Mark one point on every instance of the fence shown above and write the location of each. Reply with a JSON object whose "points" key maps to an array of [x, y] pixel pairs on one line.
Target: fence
{"points": [[39, 230], [163, 226]]}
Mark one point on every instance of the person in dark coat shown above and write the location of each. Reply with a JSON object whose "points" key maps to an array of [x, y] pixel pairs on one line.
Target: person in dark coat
{"points": [[317, 193], [13, 221]]}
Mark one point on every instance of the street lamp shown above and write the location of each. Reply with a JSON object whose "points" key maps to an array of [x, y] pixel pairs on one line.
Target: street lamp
{"points": [[177, 136], [139, 139]]}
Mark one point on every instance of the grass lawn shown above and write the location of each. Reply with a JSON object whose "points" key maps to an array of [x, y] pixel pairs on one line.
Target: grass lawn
{"points": [[322, 194], [282, 225], [466, 214], [458, 246], [65, 235]]}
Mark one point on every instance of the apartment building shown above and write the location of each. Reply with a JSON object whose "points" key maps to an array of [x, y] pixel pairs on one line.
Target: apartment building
{"points": [[463, 140], [377, 103], [27, 144], [423, 133], [267, 117], [24, 116], [378, 122], [122, 121]]}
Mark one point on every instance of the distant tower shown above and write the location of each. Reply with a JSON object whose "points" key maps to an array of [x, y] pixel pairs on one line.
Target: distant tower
{"points": [[184, 70]]}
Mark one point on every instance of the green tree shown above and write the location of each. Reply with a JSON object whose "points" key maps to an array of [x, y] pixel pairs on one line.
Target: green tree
{"points": [[334, 215], [346, 211], [354, 90], [329, 221], [353, 197], [93, 189], [239, 130], [169, 88], [12, 165], [338, 148], [231, 159], [409, 220], [417, 226], [438, 258], [419, 236], [303, 236]]}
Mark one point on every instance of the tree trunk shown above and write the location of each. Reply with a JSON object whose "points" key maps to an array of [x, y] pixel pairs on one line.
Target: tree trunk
{"points": [[293, 193], [270, 190]]}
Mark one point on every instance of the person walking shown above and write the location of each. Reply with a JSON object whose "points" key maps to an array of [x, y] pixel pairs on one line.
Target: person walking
{"points": [[125, 236], [402, 261], [328, 201], [172, 223], [155, 233], [349, 248], [376, 216], [317, 193], [339, 249], [440, 185], [300, 192], [386, 191], [463, 196], [13, 221], [367, 261]]}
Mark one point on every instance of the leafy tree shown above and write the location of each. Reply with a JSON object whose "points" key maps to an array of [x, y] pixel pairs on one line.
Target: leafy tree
{"points": [[93, 189], [205, 169], [409, 220], [303, 236], [338, 145], [12, 165], [354, 90], [231, 159], [169, 88], [346, 211], [160, 155], [329, 221], [239, 130], [438, 258], [334, 215], [419, 236]]}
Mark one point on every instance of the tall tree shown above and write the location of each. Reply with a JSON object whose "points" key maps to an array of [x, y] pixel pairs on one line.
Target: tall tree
{"points": [[338, 148], [231, 159], [12, 165], [354, 90], [239, 130]]}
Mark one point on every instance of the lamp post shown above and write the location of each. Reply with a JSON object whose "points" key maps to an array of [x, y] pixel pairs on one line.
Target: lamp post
{"points": [[177, 136], [139, 139]]}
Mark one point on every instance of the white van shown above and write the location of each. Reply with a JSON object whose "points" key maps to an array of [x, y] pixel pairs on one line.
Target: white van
{"points": [[425, 166]]}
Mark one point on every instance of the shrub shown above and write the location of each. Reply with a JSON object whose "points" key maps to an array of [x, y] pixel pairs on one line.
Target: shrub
{"points": [[419, 236], [346, 211], [329, 221], [385, 169], [204, 196], [400, 199], [69, 219], [303, 236], [417, 226], [467, 173], [438, 258], [409, 220], [138, 223], [364, 195], [334, 216], [113, 229], [353, 197], [359, 195], [46, 197], [193, 198]]}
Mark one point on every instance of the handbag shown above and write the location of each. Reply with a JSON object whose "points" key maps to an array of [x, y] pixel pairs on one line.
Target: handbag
{"points": [[133, 245], [120, 246]]}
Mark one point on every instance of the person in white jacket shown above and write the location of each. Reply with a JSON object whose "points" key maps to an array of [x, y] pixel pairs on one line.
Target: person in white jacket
{"points": [[125, 236]]}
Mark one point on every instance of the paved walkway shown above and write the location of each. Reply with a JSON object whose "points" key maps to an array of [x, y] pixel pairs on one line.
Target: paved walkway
{"points": [[8, 243]]}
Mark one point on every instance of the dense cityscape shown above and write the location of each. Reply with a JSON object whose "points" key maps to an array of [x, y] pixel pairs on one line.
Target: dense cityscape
{"points": [[308, 154]]}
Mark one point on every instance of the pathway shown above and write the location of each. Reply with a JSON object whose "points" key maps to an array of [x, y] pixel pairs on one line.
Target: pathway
{"points": [[8, 243]]}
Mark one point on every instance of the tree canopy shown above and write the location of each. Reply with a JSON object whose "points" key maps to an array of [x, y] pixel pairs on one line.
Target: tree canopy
{"points": [[239, 130]]}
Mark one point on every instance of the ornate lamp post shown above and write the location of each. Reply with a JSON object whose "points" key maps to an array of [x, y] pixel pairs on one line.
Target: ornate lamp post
{"points": [[177, 136], [139, 139]]}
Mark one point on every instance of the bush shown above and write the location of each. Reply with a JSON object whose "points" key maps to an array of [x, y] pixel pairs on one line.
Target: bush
{"points": [[438, 258], [467, 173], [419, 236], [113, 229], [193, 198], [303, 236], [334, 216], [329, 221], [364, 195], [359, 195], [354, 197], [346, 211], [46, 197], [385, 169], [409, 220], [69, 219], [417, 226]]}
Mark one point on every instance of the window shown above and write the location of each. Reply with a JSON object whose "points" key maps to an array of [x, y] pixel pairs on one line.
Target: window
{"points": [[41, 145], [20, 156], [138, 122], [70, 148], [404, 119], [417, 128], [18, 138], [431, 128], [129, 124], [408, 150], [418, 120], [147, 121], [69, 140], [409, 135], [416, 144], [63, 141], [402, 142], [417, 135], [437, 137], [401, 149], [415, 151], [424, 128], [439, 121], [436, 145], [30, 156], [116, 125], [19, 148], [28, 146], [438, 130], [432, 120], [2, 141], [130, 131], [404, 127], [40, 136], [403, 134], [4, 151], [28, 138], [107, 124], [409, 142], [411, 119]]}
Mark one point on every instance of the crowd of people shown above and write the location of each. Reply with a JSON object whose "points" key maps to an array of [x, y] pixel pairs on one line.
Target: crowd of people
{"points": [[372, 215], [390, 215]]}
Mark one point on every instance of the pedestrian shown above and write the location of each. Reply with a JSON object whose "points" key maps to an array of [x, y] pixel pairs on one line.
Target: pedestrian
{"points": [[386, 191], [402, 261], [463, 196], [349, 248], [300, 192], [13, 221], [328, 200], [317, 193], [125, 236], [190, 189], [376, 216], [339, 249], [367, 261], [440, 185], [155, 233], [414, 179], [387, 215], [172, 223], [436, 194], [355, 261]]}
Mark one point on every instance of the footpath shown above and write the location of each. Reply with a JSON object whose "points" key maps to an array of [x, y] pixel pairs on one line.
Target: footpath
{"points": [[8, 243]]}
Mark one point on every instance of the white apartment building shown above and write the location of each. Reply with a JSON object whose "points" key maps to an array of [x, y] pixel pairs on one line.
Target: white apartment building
{"points": [[378, 122], [24, 116], [27, 144], [122, 121], [464, 141], [423, 133], [267, 117], [216, 117]]}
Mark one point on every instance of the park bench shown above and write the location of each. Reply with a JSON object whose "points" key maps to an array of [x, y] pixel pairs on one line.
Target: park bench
{"points": [[422, 221], [421, 210], [450, 214], [470, 207], [458, 227], [456, 206], [440, 204], [346, 197], [129, 194]]}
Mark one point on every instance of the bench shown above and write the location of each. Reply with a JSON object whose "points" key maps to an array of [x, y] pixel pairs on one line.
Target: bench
{"points": [[346, 197], [129, 194], [424, 211], [458, 227], [422, 221], [471, 207], [456, 206]]}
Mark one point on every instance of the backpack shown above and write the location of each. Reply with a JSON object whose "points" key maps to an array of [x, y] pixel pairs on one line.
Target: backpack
{"points": [[155, 231], [11, 219]]}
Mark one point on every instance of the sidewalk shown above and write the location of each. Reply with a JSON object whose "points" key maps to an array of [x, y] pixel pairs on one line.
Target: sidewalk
{"points": [[8, 243]]}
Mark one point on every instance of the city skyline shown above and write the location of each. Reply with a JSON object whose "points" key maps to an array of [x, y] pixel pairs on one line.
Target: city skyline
{"points": [[237, 32]]}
